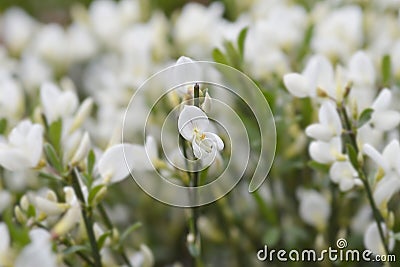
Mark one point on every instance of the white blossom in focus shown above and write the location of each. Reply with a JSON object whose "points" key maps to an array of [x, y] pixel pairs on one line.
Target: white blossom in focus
{"points": [[23, 148], [326, 152], [343, 173]]}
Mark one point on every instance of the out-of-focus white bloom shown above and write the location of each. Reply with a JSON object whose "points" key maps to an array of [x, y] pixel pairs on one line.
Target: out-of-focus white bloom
{"points": [[51, 44], [329, 124], [318, 74], [5, 201], [82, 150], [343, 173], [326, 152], [24, 147], [33, 72], [339, 33], [38, 252], [11, 98], [4, 244], [48, 206], [361, 220], [314, 208], [81, 44], [193, 124], [117, 162], [17, 28], [196, 30], [383, 118], [389, 161], [57, 104], [142, 258], [372, 239]]}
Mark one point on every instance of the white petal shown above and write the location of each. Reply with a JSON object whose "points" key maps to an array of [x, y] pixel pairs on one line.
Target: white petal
{"points": [[216, 139], [5, 238], [328, 115], [297, 84], [385, 120], [319, 132], [372, 239], [361, 69], [376, 156], [382, 102], [197, 151], [112, 164], [319, 73], [342, 172], [14, 159], [386, 188], [151, 147], [49, 207], [325, 152], [183, 59], [391, 154], [191, 118], [82, 150]]}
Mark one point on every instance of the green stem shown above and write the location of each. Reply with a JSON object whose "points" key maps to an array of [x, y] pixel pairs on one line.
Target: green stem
{"points": [[351, 132], [110, 226], [87, 218]]}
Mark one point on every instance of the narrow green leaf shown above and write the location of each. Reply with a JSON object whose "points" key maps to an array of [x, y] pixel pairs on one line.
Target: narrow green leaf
{"points": [[93, 192], [365, 116], [272, 236], [386, 70], [318, 166], [352, 155], [31, 212], [232, 54], [76, 248], [3, 125], [102, 239], [54, 134], [52, 157], [241, 41], [129, 230], [91, 159], [19, 235], [219, 57]]}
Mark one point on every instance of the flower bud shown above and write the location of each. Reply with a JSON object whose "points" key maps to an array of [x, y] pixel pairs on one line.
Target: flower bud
{"points": [[82, 150], [83, 112], [67, 222], [19, 215]]}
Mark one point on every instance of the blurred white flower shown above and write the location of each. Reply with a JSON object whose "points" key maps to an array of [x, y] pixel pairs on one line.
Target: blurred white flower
{"points": [[343, 173], [372, 239], [389, 161], [11, 98], [329, 124], [56, 103], [339, 33], [38, 252], [33, 72], [318, 74], [5, 201], [117, 161], [24, 147], [314, 208], [4, 245], [193, 125], [17, 28], [81, 44], [326, 152], [383, 118], [142, 258]]}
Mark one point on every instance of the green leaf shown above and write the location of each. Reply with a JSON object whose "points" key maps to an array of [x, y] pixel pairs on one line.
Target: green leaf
{"points": [[102, 239], [365, 116], [129, 230], [91, 159], [19, 235], [386, 69], [76, 248], [52, 157], [54, 134], [93, 192], [352, 155], [241, 40], [219, 57], [3, 125], [49, 176], [31, 212], [318, 166], [232, 54], [272, 236]]}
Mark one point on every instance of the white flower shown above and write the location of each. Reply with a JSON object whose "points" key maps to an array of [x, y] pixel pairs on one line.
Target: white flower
{"points": [[117, 161], [389, 161], [326, 152], [343, 173], [82, 150], [361, 70], [372, 239], [317, 74], [329, 126], [4, 244], [314, 208], [383, 118], [193, 124], [57, 104], [11, 98], [38, 252], [24, 147]]}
